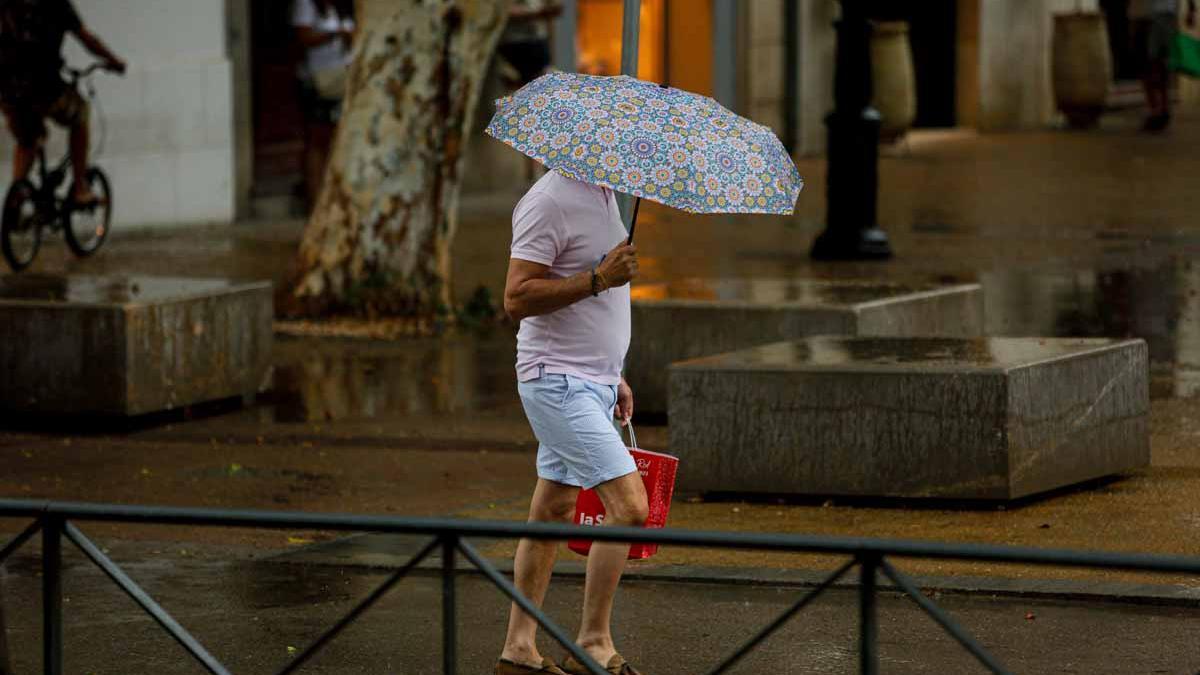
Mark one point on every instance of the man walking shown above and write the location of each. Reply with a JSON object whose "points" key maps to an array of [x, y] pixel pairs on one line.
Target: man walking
{"points": [[1155, 24], [568, 286]]}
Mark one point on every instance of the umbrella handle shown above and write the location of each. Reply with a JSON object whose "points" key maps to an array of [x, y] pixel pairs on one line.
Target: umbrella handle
{"points": [[633, 222]]}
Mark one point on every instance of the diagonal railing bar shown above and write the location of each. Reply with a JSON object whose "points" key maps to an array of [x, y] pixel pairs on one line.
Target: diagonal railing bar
{"points": [[783, 618], [19, 540], [943, 619], [143, 599], [361, 607], [489, 570]]}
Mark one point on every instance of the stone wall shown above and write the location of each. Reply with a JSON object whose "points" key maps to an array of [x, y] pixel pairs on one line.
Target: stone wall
{"points": [[168, 124]]}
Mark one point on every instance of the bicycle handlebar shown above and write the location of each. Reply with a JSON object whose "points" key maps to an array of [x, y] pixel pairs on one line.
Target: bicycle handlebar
{"points": [[77, 74]]}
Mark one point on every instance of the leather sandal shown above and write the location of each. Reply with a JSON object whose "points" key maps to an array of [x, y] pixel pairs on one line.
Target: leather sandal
{"points": [[616, 666], [506, 667]]}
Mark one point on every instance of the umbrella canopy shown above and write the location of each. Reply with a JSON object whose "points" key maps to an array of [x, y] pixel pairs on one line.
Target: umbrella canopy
{"points": [[659, 143]]}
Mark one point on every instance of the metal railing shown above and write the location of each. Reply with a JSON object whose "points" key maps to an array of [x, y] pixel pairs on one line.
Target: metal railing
{"points": [[56, 520]]}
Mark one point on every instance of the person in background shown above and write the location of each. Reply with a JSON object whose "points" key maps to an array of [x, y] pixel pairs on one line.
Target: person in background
{"points": [[1155, 24], [325, 30], [525, 43], [32, 89], [525, 47]]}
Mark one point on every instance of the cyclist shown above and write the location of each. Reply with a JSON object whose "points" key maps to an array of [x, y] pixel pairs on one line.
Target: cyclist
{"points": [[31, 84]]}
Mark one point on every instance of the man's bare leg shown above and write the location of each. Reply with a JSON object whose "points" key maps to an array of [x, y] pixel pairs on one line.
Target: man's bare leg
{"points": [[23, 161], [80, 140], [625, 504], [552, 503]]}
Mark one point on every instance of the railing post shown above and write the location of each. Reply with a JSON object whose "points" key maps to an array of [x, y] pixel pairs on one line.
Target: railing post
{"points": [[449, 618], [52, 633], [868, 627], [5, 662]]}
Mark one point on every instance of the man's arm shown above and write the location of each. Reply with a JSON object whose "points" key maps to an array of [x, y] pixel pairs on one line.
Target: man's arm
{"points": [[98, 49], [311, 37], [529, 292], [1191, 14]]}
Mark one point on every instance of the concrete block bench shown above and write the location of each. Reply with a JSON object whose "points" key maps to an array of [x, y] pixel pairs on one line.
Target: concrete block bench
{"points": [[694, 318], [130, 345], [985, 418]]}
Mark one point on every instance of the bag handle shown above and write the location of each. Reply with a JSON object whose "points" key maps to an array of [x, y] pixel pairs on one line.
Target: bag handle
{"points": [[632, 436]]}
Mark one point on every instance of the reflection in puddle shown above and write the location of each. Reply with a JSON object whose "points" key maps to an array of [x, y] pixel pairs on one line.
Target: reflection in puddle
{"points": [[324, 379], [923, 352], [1160, 304], [105, 289], [799, 291]]}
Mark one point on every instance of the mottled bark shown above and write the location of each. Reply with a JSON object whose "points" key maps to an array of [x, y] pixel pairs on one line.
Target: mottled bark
{"points": [[379, 239]]}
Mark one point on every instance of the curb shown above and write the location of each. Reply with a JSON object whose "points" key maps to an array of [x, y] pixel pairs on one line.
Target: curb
{"points": [[1162, 595]]}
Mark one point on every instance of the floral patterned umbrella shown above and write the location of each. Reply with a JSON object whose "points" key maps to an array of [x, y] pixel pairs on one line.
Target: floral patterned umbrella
{"points": [[655, 142]]}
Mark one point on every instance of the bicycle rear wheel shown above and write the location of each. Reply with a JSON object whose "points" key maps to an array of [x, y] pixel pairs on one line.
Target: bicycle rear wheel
{"points": [[20, 226], [86, 227]]}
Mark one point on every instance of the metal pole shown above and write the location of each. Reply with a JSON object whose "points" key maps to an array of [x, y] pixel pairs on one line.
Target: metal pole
{"points": [[5, 662], [868, 636], [52, 634], [563, 43], [449, 617], [725, 58], [630, 28], [851, 230]]}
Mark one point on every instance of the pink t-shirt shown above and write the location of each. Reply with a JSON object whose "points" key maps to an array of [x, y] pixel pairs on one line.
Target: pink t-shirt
{"points": [[568, 226]]}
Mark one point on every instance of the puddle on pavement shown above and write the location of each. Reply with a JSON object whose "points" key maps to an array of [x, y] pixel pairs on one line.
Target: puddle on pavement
{"points": [[1158, 302], [928, 352], [325, 379], [805, 292], [318, 380], [104, 289]]}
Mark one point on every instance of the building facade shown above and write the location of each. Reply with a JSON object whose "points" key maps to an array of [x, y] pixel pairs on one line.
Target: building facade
{"points": [[203, 129]]}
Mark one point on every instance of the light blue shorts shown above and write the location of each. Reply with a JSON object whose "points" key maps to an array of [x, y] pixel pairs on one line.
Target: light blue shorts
{"points": [[573, 420]]}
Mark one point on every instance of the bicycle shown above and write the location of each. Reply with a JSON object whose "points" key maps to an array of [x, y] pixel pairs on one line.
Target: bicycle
{"points": [[30, 207]]}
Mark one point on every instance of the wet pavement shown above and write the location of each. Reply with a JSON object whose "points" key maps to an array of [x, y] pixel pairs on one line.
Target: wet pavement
{"points": [[105, 290], [799, 292], [1070, 234], [923, 354], [253, 614]]}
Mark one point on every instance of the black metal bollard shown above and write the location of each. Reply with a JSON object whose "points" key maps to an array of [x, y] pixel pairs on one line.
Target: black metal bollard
{"points": [[852, 194]]}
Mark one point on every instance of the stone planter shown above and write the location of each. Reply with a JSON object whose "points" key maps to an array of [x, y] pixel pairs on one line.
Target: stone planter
{"points": [[691, 318], [125, 346], [1082, 67], [982, 418], [894, 78]]}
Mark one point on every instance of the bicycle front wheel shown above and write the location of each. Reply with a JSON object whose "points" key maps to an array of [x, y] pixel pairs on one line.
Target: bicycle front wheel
{"points": [[86, 227], [20, 226]]}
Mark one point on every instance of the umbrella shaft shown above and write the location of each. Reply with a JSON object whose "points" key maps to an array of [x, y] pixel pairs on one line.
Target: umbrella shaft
{"points": [[633, 222]]}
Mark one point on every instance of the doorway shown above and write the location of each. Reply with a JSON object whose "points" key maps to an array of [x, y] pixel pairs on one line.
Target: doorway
{"points": [[933, 37], [278, 122]]}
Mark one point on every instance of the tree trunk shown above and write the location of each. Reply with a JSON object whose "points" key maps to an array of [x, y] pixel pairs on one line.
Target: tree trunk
{"points": [[378, 241]]}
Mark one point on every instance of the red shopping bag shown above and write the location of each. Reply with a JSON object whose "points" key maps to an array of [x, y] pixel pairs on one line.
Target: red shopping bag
{"points": [[658, 473]]}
